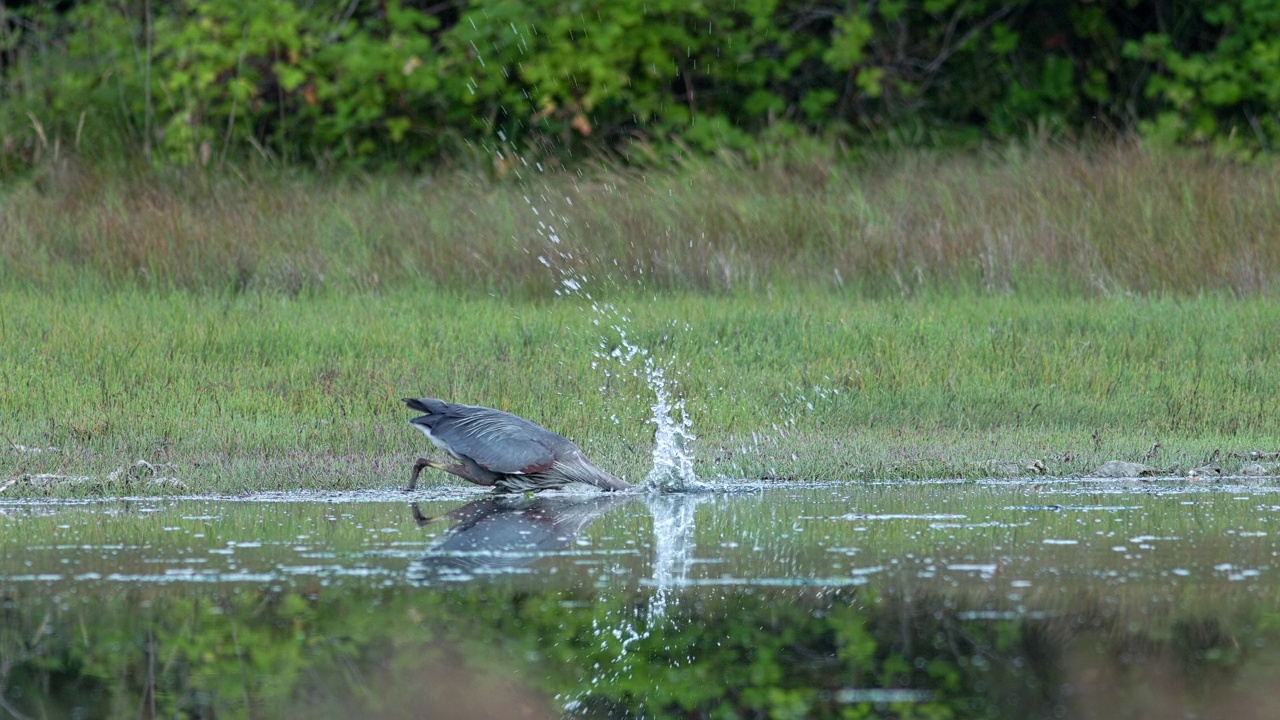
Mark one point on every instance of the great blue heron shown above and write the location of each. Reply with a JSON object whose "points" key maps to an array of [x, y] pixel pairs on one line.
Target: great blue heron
{"points": [[501, 450]]}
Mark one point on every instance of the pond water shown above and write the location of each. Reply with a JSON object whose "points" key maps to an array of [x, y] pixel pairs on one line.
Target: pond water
{"points": [[1054, 598]]}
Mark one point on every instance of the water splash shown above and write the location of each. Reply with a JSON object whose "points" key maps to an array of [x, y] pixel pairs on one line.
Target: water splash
{"points": [[672, 467], [672, 456]]}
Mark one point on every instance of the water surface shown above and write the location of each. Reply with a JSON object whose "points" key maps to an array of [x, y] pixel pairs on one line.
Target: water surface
{"points": [[1013, 599]]}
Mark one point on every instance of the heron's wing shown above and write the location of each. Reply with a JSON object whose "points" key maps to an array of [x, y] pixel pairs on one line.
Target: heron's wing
{"points": [[498, 442]]}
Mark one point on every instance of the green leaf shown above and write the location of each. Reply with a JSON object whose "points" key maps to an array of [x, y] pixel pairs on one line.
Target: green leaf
{"points": [[397, 127], [1003, 40], [849, 39], [289, 76]]}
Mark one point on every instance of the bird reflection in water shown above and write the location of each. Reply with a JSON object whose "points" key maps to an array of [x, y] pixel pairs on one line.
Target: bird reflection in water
{"points": [[505, 532]]}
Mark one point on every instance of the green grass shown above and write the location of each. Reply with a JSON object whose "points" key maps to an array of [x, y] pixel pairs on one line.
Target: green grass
{"points": [[260, 391], [901, 317]]}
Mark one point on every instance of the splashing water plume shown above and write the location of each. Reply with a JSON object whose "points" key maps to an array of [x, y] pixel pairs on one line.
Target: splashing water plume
{"points": [[672, 467], [672, 459]]}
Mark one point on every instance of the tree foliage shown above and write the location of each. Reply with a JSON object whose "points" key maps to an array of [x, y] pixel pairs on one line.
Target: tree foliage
{"points": [[405, 82]]}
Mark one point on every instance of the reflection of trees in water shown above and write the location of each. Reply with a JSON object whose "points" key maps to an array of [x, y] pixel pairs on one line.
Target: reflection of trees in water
{"points": [[813, 653], [749, 652]]}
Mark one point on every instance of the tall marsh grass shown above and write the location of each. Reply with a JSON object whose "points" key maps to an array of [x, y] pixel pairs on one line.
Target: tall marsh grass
{"points": [[1115, 219]]}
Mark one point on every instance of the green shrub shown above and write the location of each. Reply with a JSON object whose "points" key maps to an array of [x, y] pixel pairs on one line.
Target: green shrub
{"points": [[1225, 92], [405, 83]]}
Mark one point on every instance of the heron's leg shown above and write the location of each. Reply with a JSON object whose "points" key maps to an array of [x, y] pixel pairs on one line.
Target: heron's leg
{"points": [[469, 469]]}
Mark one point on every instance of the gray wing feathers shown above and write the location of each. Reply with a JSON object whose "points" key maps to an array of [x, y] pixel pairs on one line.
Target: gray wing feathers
{"points": [[497, 441]]}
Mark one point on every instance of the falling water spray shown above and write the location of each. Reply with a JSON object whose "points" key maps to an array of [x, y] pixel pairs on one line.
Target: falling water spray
{"points": [[672, 467]]}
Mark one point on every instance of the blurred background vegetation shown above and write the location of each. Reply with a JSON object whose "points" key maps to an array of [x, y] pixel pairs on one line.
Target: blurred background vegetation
{"points": [[409, 83]]}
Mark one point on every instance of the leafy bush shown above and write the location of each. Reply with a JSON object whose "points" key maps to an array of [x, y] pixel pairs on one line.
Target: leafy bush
{"points": [[1226, 91], [405, 82]]}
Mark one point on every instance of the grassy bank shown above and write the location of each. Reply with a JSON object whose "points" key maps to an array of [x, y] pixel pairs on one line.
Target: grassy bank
{"points": [[909, 316], [1116, 219], [258, 391]]}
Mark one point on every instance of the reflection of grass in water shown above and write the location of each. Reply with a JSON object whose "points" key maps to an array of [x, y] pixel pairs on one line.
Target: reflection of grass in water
{"points": [[258, 391]]}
